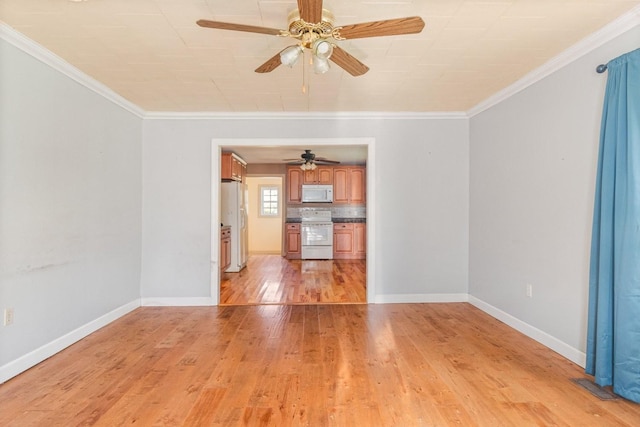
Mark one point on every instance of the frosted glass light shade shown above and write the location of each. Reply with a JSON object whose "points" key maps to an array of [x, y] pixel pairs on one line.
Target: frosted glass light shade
{"points": [[308, 166], [320, 65], [322, 49], [290, 55]]}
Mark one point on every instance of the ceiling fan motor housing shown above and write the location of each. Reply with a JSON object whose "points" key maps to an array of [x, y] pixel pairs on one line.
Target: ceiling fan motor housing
{"points": [[308, 156], [309, 32]]}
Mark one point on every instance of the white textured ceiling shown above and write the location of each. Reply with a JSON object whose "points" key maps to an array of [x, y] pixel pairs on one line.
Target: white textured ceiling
{"points": [[152, 53]]}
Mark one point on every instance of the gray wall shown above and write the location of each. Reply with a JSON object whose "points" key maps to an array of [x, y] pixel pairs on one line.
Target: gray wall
{"points": [[533, 166], [421, 210], [70, 198]]}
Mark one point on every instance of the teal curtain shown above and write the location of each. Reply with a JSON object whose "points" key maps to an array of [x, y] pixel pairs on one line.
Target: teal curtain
{"points": [[613, 335]]}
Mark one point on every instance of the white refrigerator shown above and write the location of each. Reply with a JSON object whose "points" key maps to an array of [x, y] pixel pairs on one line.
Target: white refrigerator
{"points": [[234, 213]]}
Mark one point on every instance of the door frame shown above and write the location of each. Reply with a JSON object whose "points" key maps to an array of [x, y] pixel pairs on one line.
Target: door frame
{"points": [[216, 150]]}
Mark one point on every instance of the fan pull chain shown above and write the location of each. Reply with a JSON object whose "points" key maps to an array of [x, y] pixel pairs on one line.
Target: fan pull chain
{"points": [[304, 72]]}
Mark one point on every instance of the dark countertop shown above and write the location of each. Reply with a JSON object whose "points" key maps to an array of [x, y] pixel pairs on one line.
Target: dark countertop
{"points": [[336, 220], [349, 220]]}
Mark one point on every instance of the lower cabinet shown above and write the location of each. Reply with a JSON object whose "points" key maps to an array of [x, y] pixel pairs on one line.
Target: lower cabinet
{"points": [[225, 248], [292, 240], [349, 241], [360, 240]]}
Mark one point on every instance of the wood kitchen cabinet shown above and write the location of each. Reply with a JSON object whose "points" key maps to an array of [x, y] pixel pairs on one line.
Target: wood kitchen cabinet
{"points": [[243, 172], [294, 184], [360, 240], [292, 240], [349, 184], [232, 167], [225, 248], [320, 175], [357, 184], [342, 241], [349, 241]]}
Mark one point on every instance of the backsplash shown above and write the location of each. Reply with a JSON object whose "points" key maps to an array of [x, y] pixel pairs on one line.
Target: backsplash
{"points": [[336, 212]]}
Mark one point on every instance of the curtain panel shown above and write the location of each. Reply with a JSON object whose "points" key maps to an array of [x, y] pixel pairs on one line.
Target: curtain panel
{"points": [[613, 335]]}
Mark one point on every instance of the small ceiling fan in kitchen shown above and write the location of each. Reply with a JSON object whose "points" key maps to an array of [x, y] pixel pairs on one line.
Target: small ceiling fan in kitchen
{"points": [[309, 161], [313, 29]]}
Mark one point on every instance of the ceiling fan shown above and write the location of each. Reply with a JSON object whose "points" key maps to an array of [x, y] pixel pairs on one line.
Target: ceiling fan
{"points": [[313, 27], [308, 161]]}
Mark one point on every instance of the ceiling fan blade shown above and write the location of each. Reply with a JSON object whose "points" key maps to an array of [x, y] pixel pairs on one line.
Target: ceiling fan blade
{"points": [[238, 27], [389, 27], [271, 64], [349, 63], [333, 162], [310, 10]]}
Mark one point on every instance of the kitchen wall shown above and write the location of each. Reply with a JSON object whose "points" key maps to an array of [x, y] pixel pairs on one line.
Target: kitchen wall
{"points": [[533, 166], [70, 209], [268, 169], [421, 206]]}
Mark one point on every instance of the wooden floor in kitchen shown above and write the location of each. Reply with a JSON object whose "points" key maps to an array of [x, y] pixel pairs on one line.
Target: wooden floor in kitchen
{"points": [[272, 279], [307, 365]]}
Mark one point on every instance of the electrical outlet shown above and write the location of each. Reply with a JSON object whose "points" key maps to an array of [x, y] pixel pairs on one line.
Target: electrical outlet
{"points": [[8, 316], [529, 290]]}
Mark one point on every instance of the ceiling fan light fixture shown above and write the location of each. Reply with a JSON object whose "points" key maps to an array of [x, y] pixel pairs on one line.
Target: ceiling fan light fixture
{"points": [[290, 55], [313, 28]]}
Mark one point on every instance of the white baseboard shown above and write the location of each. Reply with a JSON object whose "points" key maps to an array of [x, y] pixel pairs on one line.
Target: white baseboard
{"points": [[576, 356], [419, 298], [36, 356], [177, 302]]}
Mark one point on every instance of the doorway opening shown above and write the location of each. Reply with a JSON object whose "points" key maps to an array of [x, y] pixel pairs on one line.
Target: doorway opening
{"points": [[298, 272]]}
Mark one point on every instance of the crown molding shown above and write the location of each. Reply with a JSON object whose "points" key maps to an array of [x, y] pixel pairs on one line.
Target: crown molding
{"points": [[607, 33], [345, 115], [49, 58]]}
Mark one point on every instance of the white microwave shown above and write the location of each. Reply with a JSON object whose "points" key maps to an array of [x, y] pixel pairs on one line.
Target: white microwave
{"points": [[317, 193]]}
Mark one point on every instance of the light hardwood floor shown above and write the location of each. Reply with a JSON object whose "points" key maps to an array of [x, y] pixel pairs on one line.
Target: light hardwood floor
{"points": [[307, 365], [272, 279]]}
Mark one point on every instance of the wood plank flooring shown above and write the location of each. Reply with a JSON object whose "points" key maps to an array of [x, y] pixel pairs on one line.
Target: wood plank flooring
{"points": [[307, 365], [272, 279]]}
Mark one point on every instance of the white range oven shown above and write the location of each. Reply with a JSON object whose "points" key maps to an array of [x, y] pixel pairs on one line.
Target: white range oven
{"points": [[317, 234]]}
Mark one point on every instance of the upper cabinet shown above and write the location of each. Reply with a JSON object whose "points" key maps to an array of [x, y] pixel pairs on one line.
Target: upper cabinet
{"points": [[349, 184], [320, 175], [294, 184], [358, 185], [232, 167]]}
